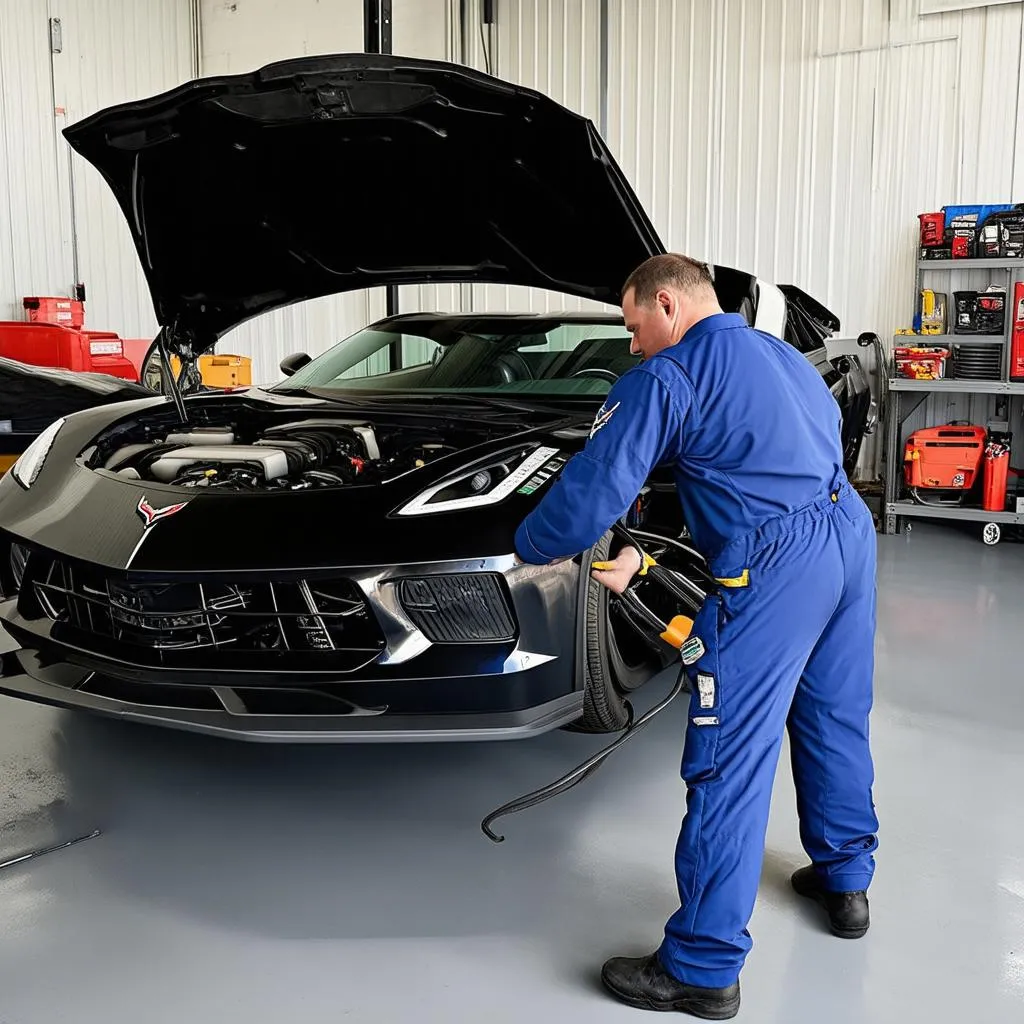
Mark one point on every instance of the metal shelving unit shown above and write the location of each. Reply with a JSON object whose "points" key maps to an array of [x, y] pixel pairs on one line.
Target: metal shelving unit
{"points": [[902, 392]]}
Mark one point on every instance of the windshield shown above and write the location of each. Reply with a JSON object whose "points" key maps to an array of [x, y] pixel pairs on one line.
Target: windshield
{"points": [[451, 355]]}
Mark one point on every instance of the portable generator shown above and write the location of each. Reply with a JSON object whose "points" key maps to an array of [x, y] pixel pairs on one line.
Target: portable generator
{"points": [[943, 462]]}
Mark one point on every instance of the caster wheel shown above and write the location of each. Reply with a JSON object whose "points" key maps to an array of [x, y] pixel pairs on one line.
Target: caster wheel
{"points": [[991, 533]]}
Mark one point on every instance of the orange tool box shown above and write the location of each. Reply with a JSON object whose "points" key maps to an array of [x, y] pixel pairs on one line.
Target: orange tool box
{"points": [[947, 457]]}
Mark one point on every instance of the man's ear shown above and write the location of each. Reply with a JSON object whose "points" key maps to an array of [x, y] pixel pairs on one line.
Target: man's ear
{"points": [[667, 301]]}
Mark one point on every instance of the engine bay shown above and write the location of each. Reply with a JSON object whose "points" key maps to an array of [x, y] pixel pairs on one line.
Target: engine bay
{"points": [[245, 449]]}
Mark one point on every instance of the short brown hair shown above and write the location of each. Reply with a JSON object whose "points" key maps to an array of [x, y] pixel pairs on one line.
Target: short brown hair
{"points": [[668, 270]]}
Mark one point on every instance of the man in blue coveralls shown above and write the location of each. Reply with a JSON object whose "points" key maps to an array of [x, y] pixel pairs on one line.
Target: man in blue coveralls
{"points": [[787, 641]]}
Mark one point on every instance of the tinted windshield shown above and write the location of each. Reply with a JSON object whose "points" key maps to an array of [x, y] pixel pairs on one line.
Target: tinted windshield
{"points": [[529, 356]]}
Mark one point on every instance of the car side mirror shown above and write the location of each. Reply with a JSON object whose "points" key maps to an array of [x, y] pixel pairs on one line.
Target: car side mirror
{"points": [[296, 361]]}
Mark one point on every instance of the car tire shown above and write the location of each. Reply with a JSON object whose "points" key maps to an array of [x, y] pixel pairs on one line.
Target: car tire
{"points": [[610, 673]]}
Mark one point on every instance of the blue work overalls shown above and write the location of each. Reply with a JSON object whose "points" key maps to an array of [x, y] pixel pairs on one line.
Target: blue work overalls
{"points": [[753, 435]]}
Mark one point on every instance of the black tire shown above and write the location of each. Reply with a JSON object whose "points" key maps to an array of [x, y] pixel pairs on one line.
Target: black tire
{"points": [[614, 665]]}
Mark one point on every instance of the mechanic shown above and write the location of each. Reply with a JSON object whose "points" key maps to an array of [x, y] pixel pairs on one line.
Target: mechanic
{"points": [[752, 434]]}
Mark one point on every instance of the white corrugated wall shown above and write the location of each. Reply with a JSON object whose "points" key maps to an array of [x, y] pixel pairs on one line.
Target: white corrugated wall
{"points": [[113, 51], [58, 222], [35, 242], [797, 139]]}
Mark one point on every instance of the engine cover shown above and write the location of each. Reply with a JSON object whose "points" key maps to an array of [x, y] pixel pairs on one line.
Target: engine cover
{"points": [[271, 463]]}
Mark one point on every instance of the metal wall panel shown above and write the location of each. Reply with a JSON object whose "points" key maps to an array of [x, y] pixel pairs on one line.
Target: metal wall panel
{"points": [[113, 51], [800, 139], [35, 236]]}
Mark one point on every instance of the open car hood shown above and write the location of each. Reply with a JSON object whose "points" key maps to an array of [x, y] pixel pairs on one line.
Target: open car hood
{"points": [[325, 174]]}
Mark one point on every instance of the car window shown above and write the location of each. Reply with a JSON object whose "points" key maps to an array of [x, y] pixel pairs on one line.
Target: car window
{"points": [[553, 356], [415, 351]]}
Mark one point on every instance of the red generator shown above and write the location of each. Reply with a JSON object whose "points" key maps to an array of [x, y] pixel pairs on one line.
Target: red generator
{"points": [[945, 461], [43, 344]]}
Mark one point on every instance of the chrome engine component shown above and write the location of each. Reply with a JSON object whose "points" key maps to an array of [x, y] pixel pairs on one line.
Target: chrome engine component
{"points": [[248, 455], [271, 463], [202, 435]]}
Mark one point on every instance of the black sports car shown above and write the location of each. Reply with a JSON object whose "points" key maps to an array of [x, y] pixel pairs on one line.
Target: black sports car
{"points": [[331, 558], [32, 397]]}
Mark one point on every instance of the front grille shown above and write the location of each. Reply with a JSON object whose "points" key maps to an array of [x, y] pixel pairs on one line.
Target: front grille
{"points": [[466, 607], [177, 621]]}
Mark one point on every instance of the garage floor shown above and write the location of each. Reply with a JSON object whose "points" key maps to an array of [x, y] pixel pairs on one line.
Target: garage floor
{"points": [[235, 882]]}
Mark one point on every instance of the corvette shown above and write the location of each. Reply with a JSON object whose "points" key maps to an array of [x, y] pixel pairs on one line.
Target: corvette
{"points": [[330, 558]]}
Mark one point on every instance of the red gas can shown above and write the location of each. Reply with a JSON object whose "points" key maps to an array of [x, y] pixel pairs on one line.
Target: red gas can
{"points": [[997, 471], [42, 344]]}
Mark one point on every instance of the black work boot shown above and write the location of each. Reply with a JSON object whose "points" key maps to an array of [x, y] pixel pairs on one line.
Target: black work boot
{"points": [[847, 911], [645, 984]]}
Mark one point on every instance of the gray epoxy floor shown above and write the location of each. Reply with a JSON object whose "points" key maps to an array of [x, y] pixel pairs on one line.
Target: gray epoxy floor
{"points": [[235, 882]]}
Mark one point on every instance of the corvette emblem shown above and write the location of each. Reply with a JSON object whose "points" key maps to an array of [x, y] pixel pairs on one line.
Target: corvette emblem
{"points": [[153, 515]]}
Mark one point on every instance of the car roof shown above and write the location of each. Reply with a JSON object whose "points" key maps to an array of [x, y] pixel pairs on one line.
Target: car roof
{"points": [[551, 317]]}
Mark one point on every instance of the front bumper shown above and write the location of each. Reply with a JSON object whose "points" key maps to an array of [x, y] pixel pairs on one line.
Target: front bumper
{"points": [[412, 690], [23, 675]]}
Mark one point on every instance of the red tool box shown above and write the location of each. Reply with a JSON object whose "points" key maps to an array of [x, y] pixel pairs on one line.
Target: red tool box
{"points": [[45, 344], [54, 309], [946, 458]]}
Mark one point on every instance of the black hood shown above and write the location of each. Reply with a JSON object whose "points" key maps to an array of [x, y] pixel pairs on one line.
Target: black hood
{"points": [[326, 174]]}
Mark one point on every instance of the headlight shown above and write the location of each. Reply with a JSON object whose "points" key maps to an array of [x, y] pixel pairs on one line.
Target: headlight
{"points": [[26, 469], [487, 483]]}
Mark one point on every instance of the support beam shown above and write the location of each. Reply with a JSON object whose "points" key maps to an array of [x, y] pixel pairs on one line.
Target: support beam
{"points": [[377, 26], [377, 39]]}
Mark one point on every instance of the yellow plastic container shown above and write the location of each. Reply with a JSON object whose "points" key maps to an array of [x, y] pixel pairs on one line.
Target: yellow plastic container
{"points": [[223, 371]]}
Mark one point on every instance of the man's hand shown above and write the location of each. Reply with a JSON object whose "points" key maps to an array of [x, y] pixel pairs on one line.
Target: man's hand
{"points": [[626, 565]]}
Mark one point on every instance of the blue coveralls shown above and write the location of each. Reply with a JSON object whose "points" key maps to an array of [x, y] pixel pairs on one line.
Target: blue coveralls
{"points": [[753, 436]]}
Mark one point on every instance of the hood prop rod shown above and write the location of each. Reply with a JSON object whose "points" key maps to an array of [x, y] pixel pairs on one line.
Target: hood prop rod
{"points": [[165, 359]]}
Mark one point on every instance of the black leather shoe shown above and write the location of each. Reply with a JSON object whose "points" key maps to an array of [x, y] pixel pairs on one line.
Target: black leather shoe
{"points": [[848, 915], [644, 983]]}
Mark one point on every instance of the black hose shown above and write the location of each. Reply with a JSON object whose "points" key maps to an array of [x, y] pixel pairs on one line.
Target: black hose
{"points": [[583, 771]]}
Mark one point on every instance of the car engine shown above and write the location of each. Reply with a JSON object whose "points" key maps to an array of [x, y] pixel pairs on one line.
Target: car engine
{"points": [[292, 456]]}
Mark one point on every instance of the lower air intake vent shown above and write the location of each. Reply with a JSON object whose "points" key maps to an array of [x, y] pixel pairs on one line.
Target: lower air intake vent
{"points": [[465, 608]]}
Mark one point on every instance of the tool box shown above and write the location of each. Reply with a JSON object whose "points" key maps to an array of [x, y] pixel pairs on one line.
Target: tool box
{"points": [[979, 312], [46, 344], [973, 231], [54, 309], [946, 458]]}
